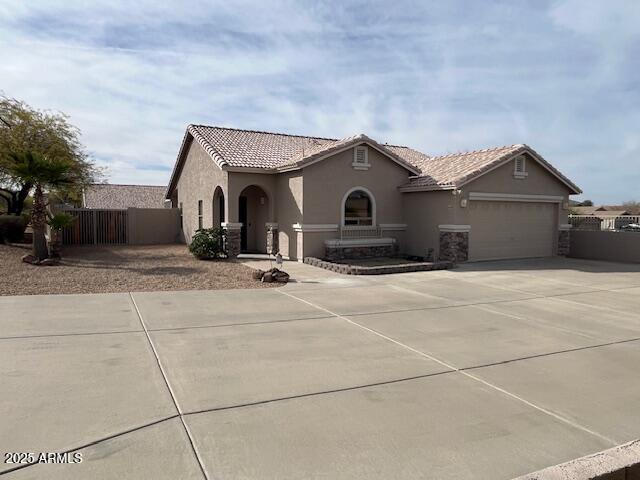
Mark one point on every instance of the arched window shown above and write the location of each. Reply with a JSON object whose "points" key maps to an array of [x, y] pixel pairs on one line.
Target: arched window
{"points": [[359, 208]]}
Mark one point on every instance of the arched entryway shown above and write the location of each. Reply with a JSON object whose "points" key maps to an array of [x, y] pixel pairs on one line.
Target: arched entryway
{"points": [[218, 207], [253, 213]]}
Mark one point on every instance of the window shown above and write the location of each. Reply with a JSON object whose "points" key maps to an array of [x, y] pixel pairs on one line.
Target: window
{"points": [[199, 213], [181, 220], [519, 168], [358, 209], [361, 158]]}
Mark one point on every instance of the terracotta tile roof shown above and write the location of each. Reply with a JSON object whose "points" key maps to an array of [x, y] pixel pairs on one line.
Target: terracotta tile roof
{"points": [[249, 148], [456, 169], [230, 147], [112, 196]]}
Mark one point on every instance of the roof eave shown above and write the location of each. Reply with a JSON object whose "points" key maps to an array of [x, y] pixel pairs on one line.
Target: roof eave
{"points": [[425, 188]]}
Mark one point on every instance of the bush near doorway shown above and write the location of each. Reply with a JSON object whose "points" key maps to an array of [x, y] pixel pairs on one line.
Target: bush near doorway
{"points": [[208, 243]]}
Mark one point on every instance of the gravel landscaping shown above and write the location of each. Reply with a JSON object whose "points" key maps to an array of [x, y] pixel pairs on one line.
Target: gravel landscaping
{"points": [[120, 269]]}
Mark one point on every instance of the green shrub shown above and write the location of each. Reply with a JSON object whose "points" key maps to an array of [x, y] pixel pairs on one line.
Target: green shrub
{"points": [[208, 243], [12, 228]]}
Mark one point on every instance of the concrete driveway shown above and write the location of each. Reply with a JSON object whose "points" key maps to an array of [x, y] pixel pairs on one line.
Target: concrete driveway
{"points": [[491, 370]]}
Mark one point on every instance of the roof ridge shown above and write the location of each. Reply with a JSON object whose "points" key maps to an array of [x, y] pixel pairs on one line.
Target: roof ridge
{"points": [[263, 131], [482, 150]]}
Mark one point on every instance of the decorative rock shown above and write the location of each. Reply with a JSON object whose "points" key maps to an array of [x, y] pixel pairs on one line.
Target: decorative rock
{"points": [[281, 277], [257, 274], [50, 262], [32, 259], [273, 275]]}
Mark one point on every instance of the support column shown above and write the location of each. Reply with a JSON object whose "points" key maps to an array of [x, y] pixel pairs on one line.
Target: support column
{"points": [[564, 239], [272, 238], [454, 243], [232, 243]]}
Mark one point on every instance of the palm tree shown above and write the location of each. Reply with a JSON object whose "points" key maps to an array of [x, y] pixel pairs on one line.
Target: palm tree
{"points": [[43, 174]]}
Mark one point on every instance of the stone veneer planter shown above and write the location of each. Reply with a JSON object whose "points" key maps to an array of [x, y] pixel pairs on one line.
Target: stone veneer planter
{"points": [[376, 270]]}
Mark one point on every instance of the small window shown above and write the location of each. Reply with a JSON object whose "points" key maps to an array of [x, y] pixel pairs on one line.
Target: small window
{"points": [[358, 209], [181, 220], [361, 158], [199, 213], [520, 167]]}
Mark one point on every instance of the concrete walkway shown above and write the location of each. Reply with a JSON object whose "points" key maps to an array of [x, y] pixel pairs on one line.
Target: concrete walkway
{"points": [[491, 370]]}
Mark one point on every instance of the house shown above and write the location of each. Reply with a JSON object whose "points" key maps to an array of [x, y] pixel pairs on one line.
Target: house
{"points": [[587, 210], [112, 196], [602, 211], [335, 198]]}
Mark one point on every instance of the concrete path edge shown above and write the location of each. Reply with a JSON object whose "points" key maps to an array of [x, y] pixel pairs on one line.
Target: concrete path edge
{"points": [[617, 463]]}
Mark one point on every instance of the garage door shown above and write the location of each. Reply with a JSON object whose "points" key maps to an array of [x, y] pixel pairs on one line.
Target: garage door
{"points": [[511, 230]]}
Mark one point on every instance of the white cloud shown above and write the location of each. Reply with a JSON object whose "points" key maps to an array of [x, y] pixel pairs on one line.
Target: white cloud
{"points": [[441, 77]]}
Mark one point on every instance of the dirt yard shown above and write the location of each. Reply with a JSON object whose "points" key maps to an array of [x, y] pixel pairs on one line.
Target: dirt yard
{"points": [[120, 269]]}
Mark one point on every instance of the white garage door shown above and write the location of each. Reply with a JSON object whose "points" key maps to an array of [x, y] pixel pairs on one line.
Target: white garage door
{"points": [[511, 230]]}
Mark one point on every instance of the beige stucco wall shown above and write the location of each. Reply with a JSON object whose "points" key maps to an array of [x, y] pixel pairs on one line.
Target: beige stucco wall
{"points": [[238, 181], [424, 211], [147, 226], [289, 198], [609, 246], [539, 181], [327, 182], [198, 180]]}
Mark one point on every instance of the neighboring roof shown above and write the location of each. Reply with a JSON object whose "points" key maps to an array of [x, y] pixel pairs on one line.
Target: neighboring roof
{"points": [[586, 210], [610, 213], [113, 196], [601, 211], [277, 152], [457, 169]]}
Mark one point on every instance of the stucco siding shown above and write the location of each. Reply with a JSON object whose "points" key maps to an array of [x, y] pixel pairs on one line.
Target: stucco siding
{"points": [[289, 188], [539, 181], [327, 182], [424, 211], [199, 177]]}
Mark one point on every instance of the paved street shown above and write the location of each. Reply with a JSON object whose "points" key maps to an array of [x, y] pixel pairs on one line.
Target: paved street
{"points": [[491, 370]]}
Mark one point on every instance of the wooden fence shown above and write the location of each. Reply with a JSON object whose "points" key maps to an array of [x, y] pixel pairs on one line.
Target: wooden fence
{"points": [[133, 226], [96, 227]]}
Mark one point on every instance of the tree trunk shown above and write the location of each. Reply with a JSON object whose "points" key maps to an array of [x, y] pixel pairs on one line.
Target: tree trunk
{"points": [[39, 224], [15, 200], [21, 197]]}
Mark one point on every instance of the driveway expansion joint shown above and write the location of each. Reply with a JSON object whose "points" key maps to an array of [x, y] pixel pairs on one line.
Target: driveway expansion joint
{"points": [[463, 372], [173, 397]]}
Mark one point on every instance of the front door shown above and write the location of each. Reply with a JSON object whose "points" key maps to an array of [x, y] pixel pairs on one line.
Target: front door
{"points": [[242, 213]]}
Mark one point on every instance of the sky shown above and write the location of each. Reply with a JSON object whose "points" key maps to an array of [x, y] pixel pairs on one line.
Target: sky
{"points": [[562, 76]]}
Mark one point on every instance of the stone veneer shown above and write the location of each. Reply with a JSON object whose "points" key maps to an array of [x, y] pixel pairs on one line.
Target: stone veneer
{"points": [[232, 242], [376, 270], [272, 240], [372, 251], [454, 246], [564, 245]]}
